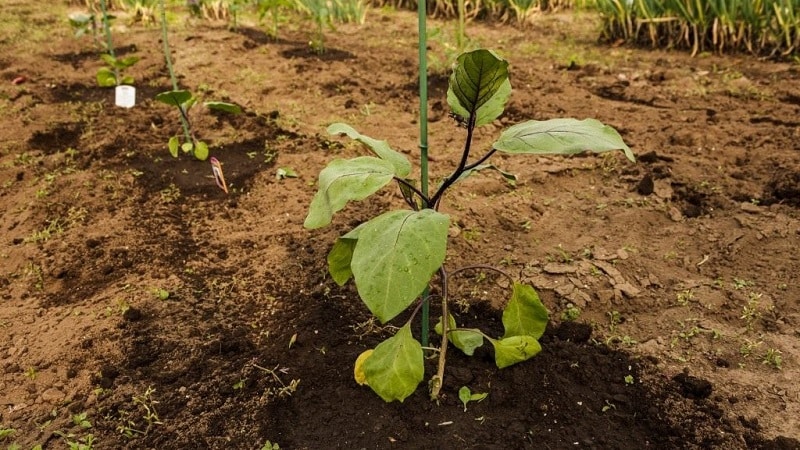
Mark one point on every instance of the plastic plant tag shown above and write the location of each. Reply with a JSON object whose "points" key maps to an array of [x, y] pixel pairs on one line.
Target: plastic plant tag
{"points": [[216, 168], [125, 96]]}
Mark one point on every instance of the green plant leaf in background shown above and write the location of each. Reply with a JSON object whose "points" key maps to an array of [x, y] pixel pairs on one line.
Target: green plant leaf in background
{"points": [[465, 340], [381, 148], [511, 350], [201, 151], [173, 145], [231, 108], [395, 257], [106, 77], [396, 367], [561, 137], [524, 315], [345, 180], [174, 98], [479, 85]]}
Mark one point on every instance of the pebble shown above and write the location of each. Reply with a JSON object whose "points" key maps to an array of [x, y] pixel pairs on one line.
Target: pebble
{"points": [[52, 395], [750, 208]]}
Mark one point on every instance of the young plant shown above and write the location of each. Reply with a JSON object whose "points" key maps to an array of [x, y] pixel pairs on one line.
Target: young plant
{"points": [[184, 100], [322, 16], [111, 75], [393, 257]]}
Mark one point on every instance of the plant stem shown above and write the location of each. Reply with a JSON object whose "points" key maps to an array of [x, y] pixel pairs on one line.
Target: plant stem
{"points": [[109, 41], [462, 165], [413, 188], [167, 55], [438, 379], [423, 140], [480, 161]]}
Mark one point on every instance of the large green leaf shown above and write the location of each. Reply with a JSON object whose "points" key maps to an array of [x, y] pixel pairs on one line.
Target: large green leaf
{"points": [[561, 136], [396, 367], [395, 257], [479, 85], [465, 340], [524, 315], [343, 181], [341, 255], [174, 98], [401, 164], [514, 349]]}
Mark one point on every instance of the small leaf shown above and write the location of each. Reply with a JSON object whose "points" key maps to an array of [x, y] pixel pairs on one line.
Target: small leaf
{"points": [[524, 315], [201, 151], [514, 349], [465, 340], [224, 107], [358, 368], [173, 145], [341, 255], [345, 180], [479, 85], [561, 137], [466, 396], [108, 59], [187, 147], [395, 257], [174, 98], [285, 172], [510, 178], [402, 167], [396, 367], [127, 79], [106, 77], [126, 62]]}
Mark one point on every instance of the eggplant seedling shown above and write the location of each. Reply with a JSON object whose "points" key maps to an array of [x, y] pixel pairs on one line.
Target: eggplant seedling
{"points": [[394, 257]]}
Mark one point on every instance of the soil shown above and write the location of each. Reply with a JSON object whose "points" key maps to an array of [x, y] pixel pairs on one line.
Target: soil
{"points": [[683, 266]]}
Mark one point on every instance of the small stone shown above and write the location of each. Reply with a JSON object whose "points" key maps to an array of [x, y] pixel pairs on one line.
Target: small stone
{"points": [[556, 268], [52, 395], [675, 214], [750, 208]]}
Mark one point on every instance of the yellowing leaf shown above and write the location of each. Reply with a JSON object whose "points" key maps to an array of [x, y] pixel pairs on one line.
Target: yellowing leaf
{"points": [[358, 369]]}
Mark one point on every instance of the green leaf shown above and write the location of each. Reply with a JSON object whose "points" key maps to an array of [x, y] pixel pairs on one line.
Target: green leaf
{"points": [[341, 255], [108, 59], [201, 150], [187, 147], [509, 177], [127, 79], [402, 167], [174, 98], [343, 181], [224, 107], [514, 349], [561, 137], [396, 367], [106, 77], [128, 61], [395, 257], [479, 85], [524, 315], [466, 396], [285, 172], [173, 145], [465, 340]]}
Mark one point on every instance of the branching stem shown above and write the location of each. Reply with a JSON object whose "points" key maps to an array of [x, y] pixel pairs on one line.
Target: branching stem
{"points": [[167, 55], [462, 165]]}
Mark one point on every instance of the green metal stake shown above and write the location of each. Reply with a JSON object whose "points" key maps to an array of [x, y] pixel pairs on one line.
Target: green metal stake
{"points": [[423, 139]]}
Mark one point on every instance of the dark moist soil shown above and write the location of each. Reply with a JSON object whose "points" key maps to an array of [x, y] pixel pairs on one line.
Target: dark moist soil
{"points": [[683, 266]]}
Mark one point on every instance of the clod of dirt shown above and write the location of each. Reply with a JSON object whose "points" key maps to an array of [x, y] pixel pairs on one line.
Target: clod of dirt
{"points": [[693, 387], [132, 315], [645, 186], [574, 332]]}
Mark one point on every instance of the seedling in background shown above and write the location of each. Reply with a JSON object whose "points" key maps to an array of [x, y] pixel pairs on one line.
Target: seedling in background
{"points": [[111, 75], [393, 257], [183, 100]]}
